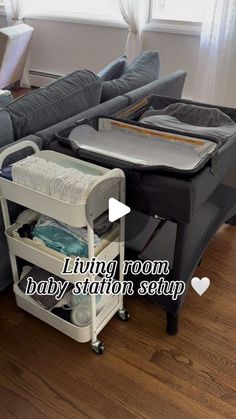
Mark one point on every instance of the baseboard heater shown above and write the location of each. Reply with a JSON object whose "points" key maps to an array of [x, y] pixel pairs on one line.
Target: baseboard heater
{"points": [[41, 78]]}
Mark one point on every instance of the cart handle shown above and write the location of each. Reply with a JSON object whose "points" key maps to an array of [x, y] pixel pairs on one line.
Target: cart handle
{"points": [[117, 174], [111, 174], [11, 149]]}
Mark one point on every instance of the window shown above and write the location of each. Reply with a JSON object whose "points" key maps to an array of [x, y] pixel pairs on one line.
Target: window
{"points": [[177, 10], [177, 16], [85, 9]]}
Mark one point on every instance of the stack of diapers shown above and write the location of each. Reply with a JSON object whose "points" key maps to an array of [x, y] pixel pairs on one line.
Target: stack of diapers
{"points": [[65, 239], [66, 184]]}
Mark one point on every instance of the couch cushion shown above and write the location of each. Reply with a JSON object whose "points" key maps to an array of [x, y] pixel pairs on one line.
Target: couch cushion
{"points": [[6, 130], [171, 85], [143, 70], [114, 69], [48, 105]]}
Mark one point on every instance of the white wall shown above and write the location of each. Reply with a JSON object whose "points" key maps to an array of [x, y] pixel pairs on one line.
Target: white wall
{"points": [[3, 21], [61, 47], [176, 52]]}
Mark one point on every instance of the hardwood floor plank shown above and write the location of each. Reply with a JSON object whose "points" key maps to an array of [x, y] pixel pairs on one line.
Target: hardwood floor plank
{"points": [[143, 373], [50, 361]]}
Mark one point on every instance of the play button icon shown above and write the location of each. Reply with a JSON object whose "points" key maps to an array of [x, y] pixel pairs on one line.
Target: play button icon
{"points": [[117, 210], [139, 227]]}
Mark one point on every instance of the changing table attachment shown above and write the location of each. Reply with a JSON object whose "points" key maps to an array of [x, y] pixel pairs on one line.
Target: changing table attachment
{"points": [[84, 213], [142, 147]]}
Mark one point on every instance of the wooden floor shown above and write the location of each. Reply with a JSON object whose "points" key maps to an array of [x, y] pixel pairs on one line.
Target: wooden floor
{"points": [[20, 92], [143, 373]]}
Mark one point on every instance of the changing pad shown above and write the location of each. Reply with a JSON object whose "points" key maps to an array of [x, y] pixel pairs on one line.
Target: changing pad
{"points": [[141, 146]]}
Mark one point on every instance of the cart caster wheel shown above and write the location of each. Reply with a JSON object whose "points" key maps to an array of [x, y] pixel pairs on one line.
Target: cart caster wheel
{"points": [[231, 221], [123, 315], [98, 347]]}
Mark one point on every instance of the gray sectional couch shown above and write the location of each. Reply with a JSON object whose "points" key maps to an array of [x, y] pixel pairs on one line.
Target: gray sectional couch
{"points": [[40, 114]]}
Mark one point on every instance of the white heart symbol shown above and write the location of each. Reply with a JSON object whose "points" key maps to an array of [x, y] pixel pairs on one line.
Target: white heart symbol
{"points": [[200, 285]]}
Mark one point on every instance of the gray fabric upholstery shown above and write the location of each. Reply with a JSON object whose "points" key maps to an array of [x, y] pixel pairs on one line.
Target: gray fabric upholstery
{"points": [[114, 69], [210, 123], [191, 114], [6, 130], [107, 108], [143, 70], [44, 107], [5, 97], [171, 85]]}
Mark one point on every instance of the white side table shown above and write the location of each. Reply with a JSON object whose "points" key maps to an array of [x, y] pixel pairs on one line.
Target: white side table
{"points": [[5, 97]]}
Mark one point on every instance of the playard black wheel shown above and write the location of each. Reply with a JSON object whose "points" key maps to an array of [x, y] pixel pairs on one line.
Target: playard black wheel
{"points": [[123, 315], [98, 347], [172, 324]]}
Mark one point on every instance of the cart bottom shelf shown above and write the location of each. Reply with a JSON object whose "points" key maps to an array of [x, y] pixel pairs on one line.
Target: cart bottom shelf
{"points": [[80, 334]]}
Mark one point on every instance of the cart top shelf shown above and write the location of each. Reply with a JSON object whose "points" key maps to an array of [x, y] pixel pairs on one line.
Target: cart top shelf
{"points": [[73, 214]]}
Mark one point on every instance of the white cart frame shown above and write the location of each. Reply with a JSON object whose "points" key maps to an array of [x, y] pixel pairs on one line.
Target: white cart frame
{"points": [[111, 183]]}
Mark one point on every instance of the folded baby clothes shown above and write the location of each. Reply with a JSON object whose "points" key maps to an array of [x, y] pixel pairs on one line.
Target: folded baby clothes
{"points": [[79, 233], [66, 184], [71, 241], [59, 240]]}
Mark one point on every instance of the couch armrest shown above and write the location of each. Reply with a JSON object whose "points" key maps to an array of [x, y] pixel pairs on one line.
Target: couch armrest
{"points": [[171, 85]]}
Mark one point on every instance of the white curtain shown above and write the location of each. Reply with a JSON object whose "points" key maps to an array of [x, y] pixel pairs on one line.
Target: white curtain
{"points": [[134, 13], [215, 78], [14, 11], [15, 14]]}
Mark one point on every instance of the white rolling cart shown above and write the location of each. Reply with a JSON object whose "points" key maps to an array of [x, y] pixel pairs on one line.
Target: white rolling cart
{"points": [[110, 183]]}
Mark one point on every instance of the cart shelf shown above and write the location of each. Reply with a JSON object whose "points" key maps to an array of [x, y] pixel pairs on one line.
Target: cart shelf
{"points": [[53, 261], [80, 334], [73, 214], [109, 183]]}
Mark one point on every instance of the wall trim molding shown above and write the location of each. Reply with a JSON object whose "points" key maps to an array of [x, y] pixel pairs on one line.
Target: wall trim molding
{"points": [[178, 28], [40, 78]]}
